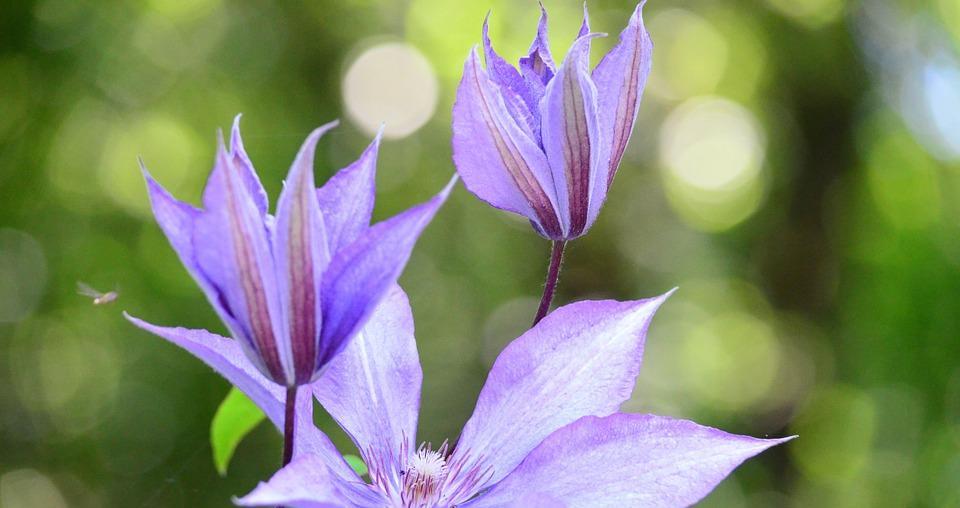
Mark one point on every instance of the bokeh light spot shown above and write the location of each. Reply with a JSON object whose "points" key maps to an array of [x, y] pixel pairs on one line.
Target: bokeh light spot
{"points": [[711, 152], [66, 370], [23, 275], [691, 54], [391, 84], [28, 488], [731, 361], [168, 148], [902, 180]]}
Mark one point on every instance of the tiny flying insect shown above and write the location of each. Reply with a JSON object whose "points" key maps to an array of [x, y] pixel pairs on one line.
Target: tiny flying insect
{"points": [[98, 297]]}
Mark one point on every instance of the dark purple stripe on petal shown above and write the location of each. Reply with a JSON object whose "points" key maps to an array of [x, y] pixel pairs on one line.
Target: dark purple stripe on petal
{"points": [[300, 253], [571, 135], [576, 151], [249, 273], [620, 78], [512, 159], [303, 295]]}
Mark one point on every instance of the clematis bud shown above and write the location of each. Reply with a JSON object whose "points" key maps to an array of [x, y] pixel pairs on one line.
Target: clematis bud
{"points": [[546, 142]]}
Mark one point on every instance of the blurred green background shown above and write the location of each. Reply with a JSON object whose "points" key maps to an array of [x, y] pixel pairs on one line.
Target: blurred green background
{"points": [[795, 171]]}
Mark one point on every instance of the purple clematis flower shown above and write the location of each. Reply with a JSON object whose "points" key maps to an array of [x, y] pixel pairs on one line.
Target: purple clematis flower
{"points": [[295, 288], [546, 430], [545, 142]]}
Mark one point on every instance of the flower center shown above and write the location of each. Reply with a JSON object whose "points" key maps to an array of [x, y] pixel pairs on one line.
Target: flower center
{"points": [[424, 474]]}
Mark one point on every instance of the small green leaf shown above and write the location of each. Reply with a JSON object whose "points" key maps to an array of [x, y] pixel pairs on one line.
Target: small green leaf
{"points": [[235, 418], [356, 463]]}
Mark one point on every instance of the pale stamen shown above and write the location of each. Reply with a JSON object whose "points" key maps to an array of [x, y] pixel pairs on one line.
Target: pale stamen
{"points": [[423, 475]]}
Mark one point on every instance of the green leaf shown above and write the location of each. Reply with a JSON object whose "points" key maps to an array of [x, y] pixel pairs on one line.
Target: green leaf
{"points": [[356, 463], [235, 418]]}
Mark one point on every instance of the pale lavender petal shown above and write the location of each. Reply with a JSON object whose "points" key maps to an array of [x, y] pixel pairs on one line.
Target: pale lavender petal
{"points": [[372, 388], [538, 67], [360, 275], [233, 251], [225, 357], [300, 254], [498, 162], [307, 483], [582, 359], [620, 79], [571, 135], [245, 168], [628, 460], [346, 200]]}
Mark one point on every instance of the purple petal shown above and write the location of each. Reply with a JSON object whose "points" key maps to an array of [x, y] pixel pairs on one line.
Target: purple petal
{"points": [[571, 135], [226, 358], [582, 359], [628, 460], [177, 220], [245, 168], [372, 388], [307, 483], [360, 275], [521, 100], [300, 254], [498, 162], [346, 200], [537, 67], [232, 249], [620, 78]]}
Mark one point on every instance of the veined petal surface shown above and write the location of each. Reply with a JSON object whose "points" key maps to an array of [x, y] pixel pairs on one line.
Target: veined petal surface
{"points": [[571, 135], [627, 460], [233, 251], [372, 388], [620, 78], [497, 160], [582, 359]]}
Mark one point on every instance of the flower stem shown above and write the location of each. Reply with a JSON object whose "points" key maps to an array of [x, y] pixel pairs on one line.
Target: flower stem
{"points": [[553, 274], [289, 420]]}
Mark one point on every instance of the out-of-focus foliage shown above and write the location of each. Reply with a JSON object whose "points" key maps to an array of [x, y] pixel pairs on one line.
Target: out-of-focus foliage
{"points": [[795, 171], [236, 417]]}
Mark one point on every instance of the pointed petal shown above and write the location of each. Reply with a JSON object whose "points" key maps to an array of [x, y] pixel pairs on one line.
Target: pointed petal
{"points": [[628, 460], [360, 275], [620, 78], [232, 249], [585, 25], [346, 200], [497, 161], [372, 388], [225, 357], [538, 67], [582, 359], [571, 136], [307, 483], [519, 98], [300, 253], [245, 168]]}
